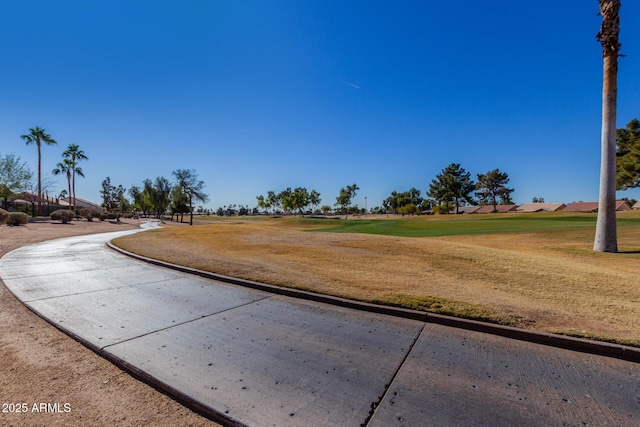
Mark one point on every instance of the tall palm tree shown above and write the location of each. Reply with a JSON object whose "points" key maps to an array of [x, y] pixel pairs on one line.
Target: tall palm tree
{"points": [[606, 239], [75, 154], [37, 136], [75, 171], [64, 167]]}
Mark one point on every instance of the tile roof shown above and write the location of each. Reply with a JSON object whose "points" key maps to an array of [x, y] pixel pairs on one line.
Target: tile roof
{"points": [[467, 209], [499, 208], [621, 205], [538, 207]]}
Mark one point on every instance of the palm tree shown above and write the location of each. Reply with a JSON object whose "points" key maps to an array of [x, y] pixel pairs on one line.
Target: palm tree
{"points": [[65, 167], [74, 153], [37, 136], [75, 171], [606, 239]]}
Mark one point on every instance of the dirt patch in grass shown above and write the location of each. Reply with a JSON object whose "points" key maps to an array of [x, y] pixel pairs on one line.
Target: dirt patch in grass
{"points": [[546, 280], [39, 364]]}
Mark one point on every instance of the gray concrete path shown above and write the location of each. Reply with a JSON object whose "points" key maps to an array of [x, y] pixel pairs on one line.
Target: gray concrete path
{"points": [[250, 357]]}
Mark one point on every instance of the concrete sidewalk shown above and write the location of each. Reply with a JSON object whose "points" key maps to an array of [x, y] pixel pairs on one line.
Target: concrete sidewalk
{"points": [[249, 357]]}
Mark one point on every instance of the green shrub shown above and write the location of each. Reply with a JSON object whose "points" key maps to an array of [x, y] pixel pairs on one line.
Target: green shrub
{"points": [[441, 209], [89, 214], [107, 216], [17, 218], [4, 215], [63, 215]]}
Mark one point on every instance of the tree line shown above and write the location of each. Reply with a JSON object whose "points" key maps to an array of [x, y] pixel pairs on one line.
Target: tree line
{"points": [[302, 201], [157, 197], [453, 187], [297, 200], [450, 189]]}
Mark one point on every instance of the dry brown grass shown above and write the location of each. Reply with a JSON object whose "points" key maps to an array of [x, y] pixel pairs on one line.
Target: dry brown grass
{"points": [[39, 363], [549, 281]]}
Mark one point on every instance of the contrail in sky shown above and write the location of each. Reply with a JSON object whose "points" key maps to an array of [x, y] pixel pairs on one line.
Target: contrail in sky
{"points": [[350, 84]]}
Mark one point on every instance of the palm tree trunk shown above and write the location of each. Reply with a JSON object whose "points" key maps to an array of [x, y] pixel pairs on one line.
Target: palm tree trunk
{"points": [[606, 239], [73, 179], [69, 186], [606, 234], [39, 179]]}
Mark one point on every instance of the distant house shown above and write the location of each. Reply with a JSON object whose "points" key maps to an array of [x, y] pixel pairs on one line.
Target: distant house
{"points": [[30, 198], [621, 205], [636, 206], [499, 208], [540, 207], [467, 209], [82, 203], [581, 207]]}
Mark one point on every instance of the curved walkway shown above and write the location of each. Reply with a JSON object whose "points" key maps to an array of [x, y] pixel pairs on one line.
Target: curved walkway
{"points": [[249, 357]]}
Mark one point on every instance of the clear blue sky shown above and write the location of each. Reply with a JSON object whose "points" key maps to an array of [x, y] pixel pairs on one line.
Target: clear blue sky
{"points": [[264, 95]]}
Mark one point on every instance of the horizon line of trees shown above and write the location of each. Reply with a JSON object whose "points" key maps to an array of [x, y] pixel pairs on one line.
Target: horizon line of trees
{"points": [[447, 191], [300, 199], [450, 189], [289, 200], [156, 197]]}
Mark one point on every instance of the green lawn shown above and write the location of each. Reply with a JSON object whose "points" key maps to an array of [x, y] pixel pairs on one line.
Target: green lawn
{"points": [[469, 224]]}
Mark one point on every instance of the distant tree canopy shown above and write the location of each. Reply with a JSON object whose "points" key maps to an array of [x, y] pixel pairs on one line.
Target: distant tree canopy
{"points": [[297, 200], [344, 199], [157, 195], [406, 203], [492, 188], [140, 203], [452, 185], [15, 176], [179, 203], [453, 188], [269, 202], [191, 188], [113, 197], [628, 156]]}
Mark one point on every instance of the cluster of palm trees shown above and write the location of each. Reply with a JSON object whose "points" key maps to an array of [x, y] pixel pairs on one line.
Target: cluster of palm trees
{"points": [[68, 166]]}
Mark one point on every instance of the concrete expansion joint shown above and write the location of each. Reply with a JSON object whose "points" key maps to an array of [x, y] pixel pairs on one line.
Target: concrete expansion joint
{"points": [[185, 322], [376, 405], [617, 351], [89, 292]]}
